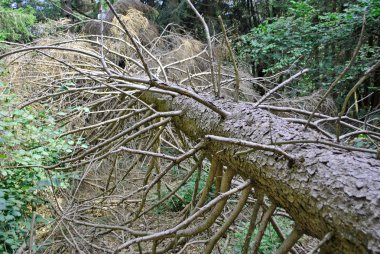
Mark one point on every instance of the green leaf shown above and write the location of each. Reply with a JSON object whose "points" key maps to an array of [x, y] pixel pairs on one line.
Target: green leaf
{"points": [[28, 136], [9, 241], [9, 217], [16, 213], [2, 204], [374, 88]]}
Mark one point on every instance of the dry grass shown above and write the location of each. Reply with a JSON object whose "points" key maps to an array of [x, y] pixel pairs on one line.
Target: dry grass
{"points": [[138, 26], [180, 54], [34, 70]]}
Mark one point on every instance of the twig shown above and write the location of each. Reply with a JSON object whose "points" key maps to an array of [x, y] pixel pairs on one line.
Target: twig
{"points": [[280, 233], [357, 101], [224, 114], [375, 135], [290, 241], [31, 237], [237, 79], [326, 238], [148, 153], [214, 168], [49, 47], [190, 243], [170, 232], [104, 122], [268, 213], [280, 86], [229, 221], [156, 60], [349, 148], [172, 192], [253, 145], [252, 222], [207, 32], [352, 91]]}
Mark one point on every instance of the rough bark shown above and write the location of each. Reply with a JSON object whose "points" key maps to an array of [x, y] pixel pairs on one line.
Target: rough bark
{"points": [[326, 190]]}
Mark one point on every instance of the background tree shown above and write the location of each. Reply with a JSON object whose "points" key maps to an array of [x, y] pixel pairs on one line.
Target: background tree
{"points": [[320, 38]]}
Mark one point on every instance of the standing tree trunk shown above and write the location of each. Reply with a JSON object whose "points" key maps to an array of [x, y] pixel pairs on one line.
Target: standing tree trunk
{"points": [[66, 8]]}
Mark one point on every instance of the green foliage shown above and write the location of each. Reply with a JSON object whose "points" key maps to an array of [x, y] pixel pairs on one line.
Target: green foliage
{"points": [[15, 25], [302, 9], [363, 141], [309, 38], [41, 9], [270, 241], [28, 139], [18, 18]]}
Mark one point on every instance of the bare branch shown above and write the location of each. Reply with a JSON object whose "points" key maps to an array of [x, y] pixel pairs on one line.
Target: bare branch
{"points": [[292, 239], [325, 239], [210, 52], [255, 146], [280, 86]]}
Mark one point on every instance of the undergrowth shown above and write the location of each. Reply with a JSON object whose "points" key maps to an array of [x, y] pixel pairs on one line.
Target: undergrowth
{"points": [[15, 25], [29, 138], [175, 204], [270, 241]]}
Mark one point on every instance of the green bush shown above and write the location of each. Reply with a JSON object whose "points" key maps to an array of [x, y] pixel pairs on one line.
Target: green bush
{"points": [[43, 10], [15, 25], [27, 137], [310, 38]]}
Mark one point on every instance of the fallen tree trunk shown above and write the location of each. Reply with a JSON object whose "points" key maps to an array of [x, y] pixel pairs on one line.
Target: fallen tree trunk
{"points": [[326, 189]]}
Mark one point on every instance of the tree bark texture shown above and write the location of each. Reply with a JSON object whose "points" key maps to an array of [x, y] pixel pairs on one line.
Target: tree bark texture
{"points": [[326, 190]]}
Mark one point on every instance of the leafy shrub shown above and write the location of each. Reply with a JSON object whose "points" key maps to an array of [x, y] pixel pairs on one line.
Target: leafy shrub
{"points": [[15, 25], [310, 38], [41, 9], [27, 137]]}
